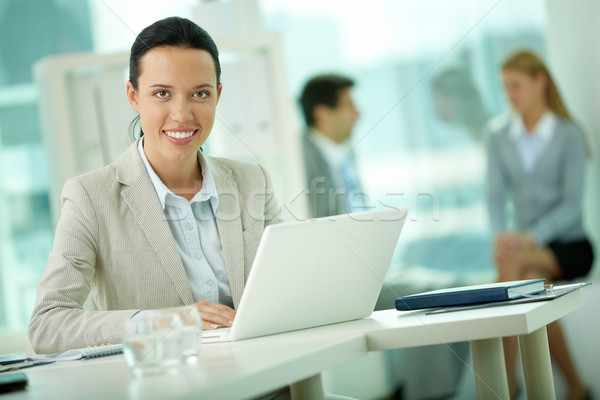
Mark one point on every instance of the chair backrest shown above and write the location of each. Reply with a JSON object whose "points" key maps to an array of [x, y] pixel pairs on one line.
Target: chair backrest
{"points": [[84, 116]]}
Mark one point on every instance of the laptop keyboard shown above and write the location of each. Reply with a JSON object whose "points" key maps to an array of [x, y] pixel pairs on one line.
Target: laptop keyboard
{"points": [[216, 335]]}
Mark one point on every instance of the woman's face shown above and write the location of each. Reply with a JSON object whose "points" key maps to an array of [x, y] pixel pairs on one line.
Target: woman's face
{"points": [[176, 99], [525, 92]]}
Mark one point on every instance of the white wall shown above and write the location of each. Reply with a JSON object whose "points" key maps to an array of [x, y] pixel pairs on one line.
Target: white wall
{"points": [[574, 51]]}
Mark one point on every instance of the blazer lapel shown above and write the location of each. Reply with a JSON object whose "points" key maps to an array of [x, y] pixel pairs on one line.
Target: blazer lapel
{"points": [[229, 223], [140, 196]]}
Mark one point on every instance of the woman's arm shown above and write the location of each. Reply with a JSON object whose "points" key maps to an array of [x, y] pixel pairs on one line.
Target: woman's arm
{"points": [[495, 186], [272, 206], [58, 321], [567, 212]]}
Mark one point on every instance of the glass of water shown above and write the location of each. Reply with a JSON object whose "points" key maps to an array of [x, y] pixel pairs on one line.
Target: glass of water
{"points": [[191, 331], [152, 342]]}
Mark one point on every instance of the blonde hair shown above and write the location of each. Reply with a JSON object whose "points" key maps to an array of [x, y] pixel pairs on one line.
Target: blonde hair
{"points": [[530, 63]]}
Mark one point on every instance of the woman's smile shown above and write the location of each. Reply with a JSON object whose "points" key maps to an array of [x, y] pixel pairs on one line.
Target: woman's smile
{"points": [[180, 136]]}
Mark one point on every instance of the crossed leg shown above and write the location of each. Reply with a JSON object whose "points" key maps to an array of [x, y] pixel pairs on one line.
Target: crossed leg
{"points": [[518, 257]]}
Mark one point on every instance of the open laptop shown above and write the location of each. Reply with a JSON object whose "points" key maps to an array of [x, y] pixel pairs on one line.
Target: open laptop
{"points": [[315, 272]]}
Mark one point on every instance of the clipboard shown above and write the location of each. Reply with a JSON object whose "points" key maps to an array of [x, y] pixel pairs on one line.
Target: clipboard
{"points": [[551, 292]]}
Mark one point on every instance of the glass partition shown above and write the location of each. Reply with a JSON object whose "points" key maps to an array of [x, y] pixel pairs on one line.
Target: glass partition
{"points": [[428, 81]]}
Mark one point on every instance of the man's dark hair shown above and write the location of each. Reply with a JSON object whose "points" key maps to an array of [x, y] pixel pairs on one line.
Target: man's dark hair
{"points": [[322, 89]]}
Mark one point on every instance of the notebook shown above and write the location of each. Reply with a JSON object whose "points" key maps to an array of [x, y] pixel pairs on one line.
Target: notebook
{"points": [[76, 354], [315, 272], [551, 292], [485, 293], [13, 362]]}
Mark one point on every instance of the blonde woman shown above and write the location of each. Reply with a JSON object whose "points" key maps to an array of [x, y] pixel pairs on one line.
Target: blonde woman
{"points": [[536, 162]]}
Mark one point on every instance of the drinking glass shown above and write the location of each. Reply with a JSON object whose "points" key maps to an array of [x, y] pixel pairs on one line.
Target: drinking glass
{"points": [[152, 342], [191, 331]]}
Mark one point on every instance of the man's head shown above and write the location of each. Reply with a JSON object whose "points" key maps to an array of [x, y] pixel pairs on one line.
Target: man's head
{"points": [[328, 106]]}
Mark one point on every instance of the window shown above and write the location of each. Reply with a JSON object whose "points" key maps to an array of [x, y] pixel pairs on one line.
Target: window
{"points": [[428, 79], [26, 229]]}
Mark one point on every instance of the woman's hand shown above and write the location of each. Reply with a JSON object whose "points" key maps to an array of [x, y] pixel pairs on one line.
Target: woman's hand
{"points": [[508, 245], [507, 248], [215, 315]]}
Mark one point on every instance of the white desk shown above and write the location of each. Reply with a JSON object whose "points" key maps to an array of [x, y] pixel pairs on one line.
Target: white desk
{"points": [[237, 370], [251, 367], [483, 328]]}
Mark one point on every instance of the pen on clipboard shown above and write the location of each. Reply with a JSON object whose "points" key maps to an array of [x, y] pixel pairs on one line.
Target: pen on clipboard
{"points": [[16, 366]]}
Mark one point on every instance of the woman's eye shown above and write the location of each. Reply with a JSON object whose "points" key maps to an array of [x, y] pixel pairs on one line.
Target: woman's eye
{"points": [[201, 95], [161, 94]]}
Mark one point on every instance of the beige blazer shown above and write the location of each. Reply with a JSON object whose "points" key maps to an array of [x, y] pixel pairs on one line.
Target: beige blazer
{"points": [[113, 239]]}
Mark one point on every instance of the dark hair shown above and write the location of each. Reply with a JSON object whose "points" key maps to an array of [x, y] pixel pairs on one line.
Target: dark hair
{"points": [[322, 89], [175, 32]]}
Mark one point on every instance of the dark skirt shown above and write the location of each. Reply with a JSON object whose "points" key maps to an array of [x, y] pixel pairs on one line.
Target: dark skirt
{"points": [[575, 258]]}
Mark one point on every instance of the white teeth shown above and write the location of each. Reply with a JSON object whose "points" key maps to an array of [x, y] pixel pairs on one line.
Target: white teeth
{"points": [[179, 135]]}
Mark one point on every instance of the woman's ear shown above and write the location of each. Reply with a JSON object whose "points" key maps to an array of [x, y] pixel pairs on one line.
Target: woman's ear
{"points": [[132, 97], [219, 89]]}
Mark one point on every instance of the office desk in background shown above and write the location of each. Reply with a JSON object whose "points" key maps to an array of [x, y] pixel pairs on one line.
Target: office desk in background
{"points": [[248, 368]]}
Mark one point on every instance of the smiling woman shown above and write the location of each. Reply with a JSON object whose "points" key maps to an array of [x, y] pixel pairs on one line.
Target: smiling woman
{"points": [[164, 225], [176, 99]]}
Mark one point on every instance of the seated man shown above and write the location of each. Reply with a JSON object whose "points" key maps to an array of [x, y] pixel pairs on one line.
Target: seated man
{"points": [[330, 114]]}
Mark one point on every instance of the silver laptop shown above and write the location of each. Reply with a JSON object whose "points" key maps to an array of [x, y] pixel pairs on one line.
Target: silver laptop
{"points": [[315, 272]]}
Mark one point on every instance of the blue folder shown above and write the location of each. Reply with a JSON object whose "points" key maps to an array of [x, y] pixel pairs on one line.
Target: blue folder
{"points": [[551, 292], [466, 295]]}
